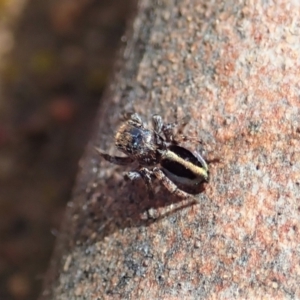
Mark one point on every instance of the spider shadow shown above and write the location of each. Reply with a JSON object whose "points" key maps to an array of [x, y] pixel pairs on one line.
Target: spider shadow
{"points": [[116, 205]]}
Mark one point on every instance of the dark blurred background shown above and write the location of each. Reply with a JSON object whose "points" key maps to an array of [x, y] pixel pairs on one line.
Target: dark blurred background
{"points": [[55, 58]]}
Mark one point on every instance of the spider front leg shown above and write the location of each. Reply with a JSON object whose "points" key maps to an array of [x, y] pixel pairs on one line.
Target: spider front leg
{"points": [[157, 123], [178, 137], [144, 174], [168, 129], [161, 128], [132, 118], [117, 160], [170, 185]]}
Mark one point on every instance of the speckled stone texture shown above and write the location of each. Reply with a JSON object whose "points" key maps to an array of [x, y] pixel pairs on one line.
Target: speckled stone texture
{"points": [[234, 67]]}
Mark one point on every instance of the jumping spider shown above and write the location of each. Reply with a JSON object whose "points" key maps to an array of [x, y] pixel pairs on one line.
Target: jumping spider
{"points": [[158, 155]]}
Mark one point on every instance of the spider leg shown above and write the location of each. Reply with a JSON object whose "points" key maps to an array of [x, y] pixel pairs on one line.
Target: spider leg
{"points": [[157, 123], [183, 122], [161, 128], [170, 186], [168, 130], [180, 125], [171, 136], [144, 174], [136, 119], [126, 115], [117, 160], [132, 117]]}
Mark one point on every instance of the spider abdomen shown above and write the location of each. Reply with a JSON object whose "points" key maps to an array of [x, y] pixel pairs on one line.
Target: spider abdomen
{"points": [[183, 164]]}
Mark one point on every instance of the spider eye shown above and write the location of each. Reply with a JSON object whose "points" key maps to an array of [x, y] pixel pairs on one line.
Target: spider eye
{"points": [[136, 137]]}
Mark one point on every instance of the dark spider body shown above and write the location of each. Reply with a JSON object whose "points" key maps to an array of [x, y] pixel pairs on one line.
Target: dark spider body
{"points": [[176, 167]]}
